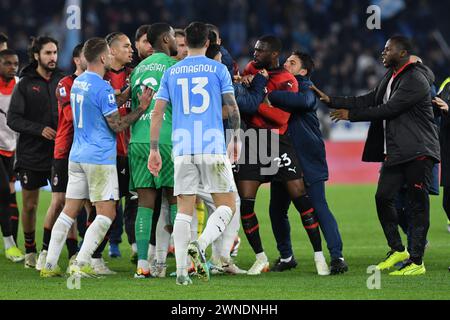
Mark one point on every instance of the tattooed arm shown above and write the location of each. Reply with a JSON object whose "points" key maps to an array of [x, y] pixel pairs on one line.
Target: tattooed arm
{"points": [[234, 118], [118, 123], [234, 121]]}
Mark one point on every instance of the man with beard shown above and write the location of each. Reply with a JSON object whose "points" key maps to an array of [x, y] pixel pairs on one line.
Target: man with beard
{"points": [[270, 125], [148, 74], [92, 159], [34, 114], [404, 137], [143, 47]]}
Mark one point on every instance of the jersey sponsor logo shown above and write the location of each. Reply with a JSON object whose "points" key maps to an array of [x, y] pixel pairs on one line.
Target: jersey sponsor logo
{"points": [[36, 88]]}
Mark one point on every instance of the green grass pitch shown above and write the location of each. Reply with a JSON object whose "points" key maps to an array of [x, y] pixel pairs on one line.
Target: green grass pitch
{"points": [[364, 245]]}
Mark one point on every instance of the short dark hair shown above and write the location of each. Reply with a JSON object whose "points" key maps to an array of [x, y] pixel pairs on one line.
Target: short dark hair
{"points": [[212, 50], [142, 30], [404, 43], [7, 52], [214, 28], [196, 34], [212, 37], [36, 45], [180, 33], [273, 42], [113, 36], [156, 30], [307, 61], [3, 37], [76, 53], [93, 48]]}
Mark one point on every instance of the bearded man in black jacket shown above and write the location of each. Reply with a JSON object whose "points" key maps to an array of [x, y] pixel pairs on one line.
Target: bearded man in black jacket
{"points": [[404, 137], [33, 113]]}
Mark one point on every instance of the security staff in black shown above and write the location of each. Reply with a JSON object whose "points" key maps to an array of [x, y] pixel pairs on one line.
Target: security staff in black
{"points": [[404, 137], [33, 113]]}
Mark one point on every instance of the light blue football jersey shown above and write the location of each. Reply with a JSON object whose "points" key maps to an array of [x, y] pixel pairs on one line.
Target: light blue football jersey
{"points": [[92, 99], [194, 87]]}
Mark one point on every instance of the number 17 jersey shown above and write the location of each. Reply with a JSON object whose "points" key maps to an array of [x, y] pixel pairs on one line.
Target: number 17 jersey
{"points": [[92, 99], [194, 87]]}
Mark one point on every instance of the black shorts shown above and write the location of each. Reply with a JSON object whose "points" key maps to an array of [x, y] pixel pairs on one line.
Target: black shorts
{"points": [[257, 162], [60, 175], [7, 165], [33, 180], [123, 173]]}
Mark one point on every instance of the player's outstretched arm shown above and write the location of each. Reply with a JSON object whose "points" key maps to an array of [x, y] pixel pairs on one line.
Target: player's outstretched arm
{"points": [[118, 123]]}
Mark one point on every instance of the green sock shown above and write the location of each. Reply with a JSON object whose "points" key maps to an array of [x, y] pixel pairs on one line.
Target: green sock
{"points": [[142, 230], [173, 212]]}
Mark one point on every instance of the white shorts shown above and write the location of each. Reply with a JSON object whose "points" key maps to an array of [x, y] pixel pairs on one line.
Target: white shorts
{"points": [[95, 182], [212, 171]]}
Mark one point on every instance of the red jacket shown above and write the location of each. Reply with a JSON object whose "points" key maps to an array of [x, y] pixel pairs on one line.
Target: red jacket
{"points": [[271, 117]]}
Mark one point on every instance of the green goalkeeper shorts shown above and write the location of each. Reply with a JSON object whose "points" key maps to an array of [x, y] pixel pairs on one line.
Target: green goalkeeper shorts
{"points": [[140, 176]]}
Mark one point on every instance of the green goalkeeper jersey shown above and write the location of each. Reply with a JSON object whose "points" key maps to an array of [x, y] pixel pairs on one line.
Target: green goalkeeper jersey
{"points": [[149, 73]]}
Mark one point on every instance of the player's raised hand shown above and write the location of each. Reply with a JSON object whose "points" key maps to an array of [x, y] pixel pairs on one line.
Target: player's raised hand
{"points": [[234, 150], [321, 95], [154, 162], [339, 114], [146, 97]]}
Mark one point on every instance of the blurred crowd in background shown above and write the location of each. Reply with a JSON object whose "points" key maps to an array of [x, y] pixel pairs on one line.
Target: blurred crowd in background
{"points": [[346, 52]]}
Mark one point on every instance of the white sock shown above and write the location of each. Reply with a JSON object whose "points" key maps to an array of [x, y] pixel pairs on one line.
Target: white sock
{"points": [[93, 237], [181, 235], [9, 242], [162, 236], [194, 226], [215, 226], [230, 233], [318, 256], [217, 247], [144, 265], [96, 261], [286, 260], [134, 247], [261, 256], [151, 253], [58, 239]]}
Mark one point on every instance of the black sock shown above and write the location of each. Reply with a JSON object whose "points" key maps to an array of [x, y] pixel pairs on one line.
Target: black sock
{"points": [[5, 222], [72, 246], [416, 260], [30, 243], [46, 239], [309, 220], [14, 215], [250, 224]]}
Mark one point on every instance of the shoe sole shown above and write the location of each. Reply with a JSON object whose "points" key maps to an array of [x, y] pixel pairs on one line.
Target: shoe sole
{"points": [[200, 267]]}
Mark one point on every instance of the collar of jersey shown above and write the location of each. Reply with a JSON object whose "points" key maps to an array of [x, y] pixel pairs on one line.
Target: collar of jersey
{"points": [[197, 56], [94, 73]]}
